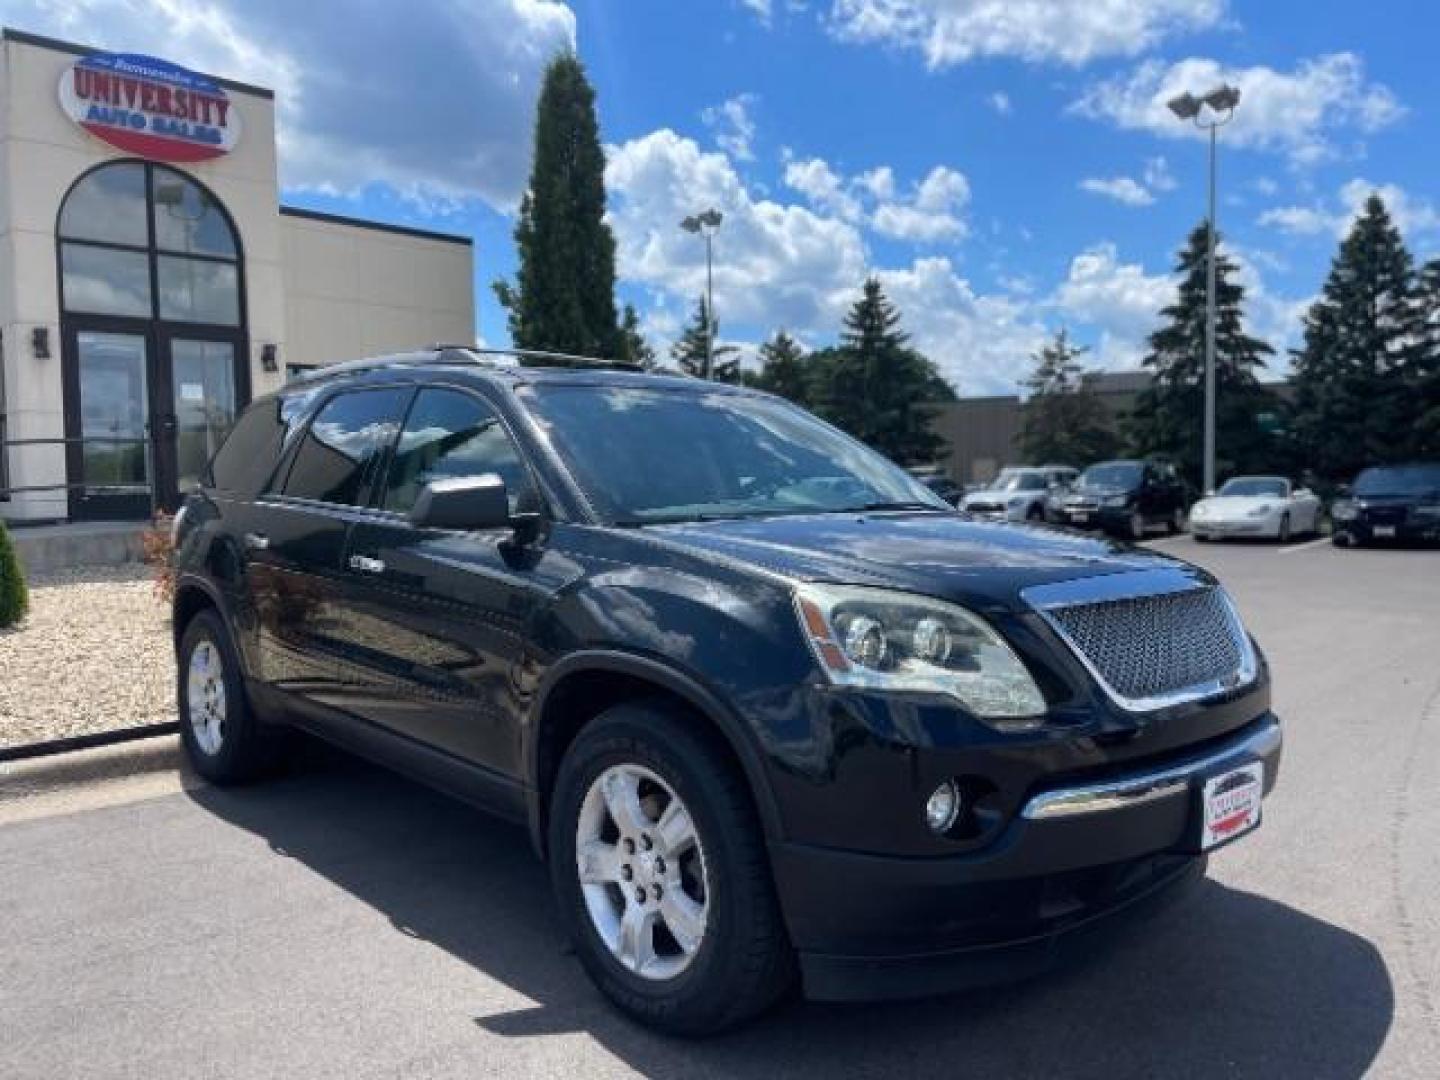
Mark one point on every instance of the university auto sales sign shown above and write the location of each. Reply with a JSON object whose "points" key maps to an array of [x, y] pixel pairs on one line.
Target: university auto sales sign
{"points": [[150, 107]]}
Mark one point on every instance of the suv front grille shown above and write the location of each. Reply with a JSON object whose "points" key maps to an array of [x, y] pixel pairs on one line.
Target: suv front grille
{"points": [[1151, 647]]}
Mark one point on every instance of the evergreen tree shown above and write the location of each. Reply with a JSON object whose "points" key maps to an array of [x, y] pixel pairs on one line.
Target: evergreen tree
{"points": [[14, 597], [1423, 376], [564, 295], [878, 388], [1063, 418], [1168, 417], [689, 350], [636, 350], [1358, 377], [784, 369]]}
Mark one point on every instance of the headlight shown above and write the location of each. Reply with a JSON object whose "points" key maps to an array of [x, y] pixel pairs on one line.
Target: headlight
{"points": [[1343, 511], [1199, 510], [1117, 500], [1427, 511], [884, 640]]}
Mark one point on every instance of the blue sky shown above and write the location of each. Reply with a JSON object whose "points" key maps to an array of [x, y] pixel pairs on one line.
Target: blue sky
{"points": [[1007, 168]]}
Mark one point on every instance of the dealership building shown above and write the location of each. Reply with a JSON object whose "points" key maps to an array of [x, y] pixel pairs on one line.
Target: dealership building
{"points": [[151, 282]]}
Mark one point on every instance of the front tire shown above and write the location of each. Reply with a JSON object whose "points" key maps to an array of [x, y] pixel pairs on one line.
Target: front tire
{"points": [[1136, 526], [659, 866], [224, 740], [1282, 534]]}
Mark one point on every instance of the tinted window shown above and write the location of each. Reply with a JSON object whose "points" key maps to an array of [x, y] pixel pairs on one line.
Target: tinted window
{"points": [[644, 455], [448, 434], [1399, 480], [337, 458], [1116, 474], [246, 457]]}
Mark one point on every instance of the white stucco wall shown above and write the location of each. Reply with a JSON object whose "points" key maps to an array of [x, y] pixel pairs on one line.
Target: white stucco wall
{"points": [[353, 291]]}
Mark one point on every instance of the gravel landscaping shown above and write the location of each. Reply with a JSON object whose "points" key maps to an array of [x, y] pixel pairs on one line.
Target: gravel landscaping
{"points": [[93, 654]]}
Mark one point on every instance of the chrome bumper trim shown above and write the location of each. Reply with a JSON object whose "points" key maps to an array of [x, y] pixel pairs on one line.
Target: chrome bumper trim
{"points": [[1148, 786]]}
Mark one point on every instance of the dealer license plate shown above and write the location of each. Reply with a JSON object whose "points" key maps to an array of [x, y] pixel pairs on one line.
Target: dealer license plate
{"points": [[1230, 804], [1384, 532]]}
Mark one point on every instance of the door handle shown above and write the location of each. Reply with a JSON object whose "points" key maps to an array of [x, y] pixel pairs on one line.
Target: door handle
{"points": [[365, 564], [257, 541]]}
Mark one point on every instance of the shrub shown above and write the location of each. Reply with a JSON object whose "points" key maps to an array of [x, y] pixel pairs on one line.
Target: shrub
{"points": [[158, 551], [14, 597]]}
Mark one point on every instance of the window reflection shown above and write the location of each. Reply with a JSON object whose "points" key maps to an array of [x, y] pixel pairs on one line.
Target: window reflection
{"points": [[106, 281], [188, 219], [108, 205], [198, 290]]}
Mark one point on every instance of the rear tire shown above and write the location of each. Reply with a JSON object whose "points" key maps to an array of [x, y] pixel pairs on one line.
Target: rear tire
{"points": [[1136, 527], [224, 740], [740, 961], [1175, 525]]}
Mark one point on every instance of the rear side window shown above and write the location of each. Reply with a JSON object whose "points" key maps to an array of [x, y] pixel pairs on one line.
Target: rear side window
{"points": [[248, 456], [338, 457], [450, 434]]}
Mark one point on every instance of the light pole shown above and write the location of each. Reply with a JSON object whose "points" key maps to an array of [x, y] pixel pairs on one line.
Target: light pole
{"points": [[706, 224], [1221, 101]]}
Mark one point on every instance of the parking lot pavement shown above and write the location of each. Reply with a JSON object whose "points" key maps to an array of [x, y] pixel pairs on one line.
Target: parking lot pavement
{"points": [[343, 922]]}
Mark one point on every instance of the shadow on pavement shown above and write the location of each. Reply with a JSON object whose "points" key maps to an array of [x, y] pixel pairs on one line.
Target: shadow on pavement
{"points": [[1222, 983]]}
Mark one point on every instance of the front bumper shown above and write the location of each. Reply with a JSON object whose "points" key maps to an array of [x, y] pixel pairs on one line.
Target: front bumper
{"points": [[1223, 527], [1108, 518], [1412, 529], [1077, 859]]}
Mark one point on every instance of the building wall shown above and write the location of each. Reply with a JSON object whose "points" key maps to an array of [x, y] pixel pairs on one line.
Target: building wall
{"points": [[318, 290], [353, 291]]}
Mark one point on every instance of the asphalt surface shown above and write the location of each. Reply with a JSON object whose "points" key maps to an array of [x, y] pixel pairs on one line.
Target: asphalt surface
{"points": [[343, 922]]}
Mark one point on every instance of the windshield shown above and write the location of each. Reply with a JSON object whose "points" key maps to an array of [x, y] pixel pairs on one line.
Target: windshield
{"points": [[1113, 474], [1270, 487], [1014, 480], [645, 456], [1399, 480]]}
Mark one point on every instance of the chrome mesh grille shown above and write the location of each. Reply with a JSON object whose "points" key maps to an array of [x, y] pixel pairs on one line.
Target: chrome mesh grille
{"points": [[1150, 646]]}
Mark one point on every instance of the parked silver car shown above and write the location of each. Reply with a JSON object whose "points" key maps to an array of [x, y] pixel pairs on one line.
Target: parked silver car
{"points": [[1019, 494]]}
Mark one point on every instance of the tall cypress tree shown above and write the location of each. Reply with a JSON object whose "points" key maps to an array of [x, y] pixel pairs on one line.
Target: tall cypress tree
{"points": [[876, 387], [564, 296], [783, 369], [1358, 373], [1168, 416], [1063, 418]]}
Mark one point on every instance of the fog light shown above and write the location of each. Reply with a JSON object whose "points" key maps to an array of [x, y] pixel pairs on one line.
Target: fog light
{"points": [[943, 807]]}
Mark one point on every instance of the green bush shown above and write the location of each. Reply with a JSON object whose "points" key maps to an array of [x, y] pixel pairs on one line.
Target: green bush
{"points": [[14, 598]]}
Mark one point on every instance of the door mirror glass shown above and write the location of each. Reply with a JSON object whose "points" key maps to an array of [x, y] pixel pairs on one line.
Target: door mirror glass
{"points": [[465, 503]]}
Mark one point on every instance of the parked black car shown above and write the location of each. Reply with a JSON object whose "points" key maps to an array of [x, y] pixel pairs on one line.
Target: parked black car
{"points": [[770, 708], [1389, 503], [1125, 498]]}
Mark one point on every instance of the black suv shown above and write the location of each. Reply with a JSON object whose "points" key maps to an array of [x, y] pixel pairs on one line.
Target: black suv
{"points": [[771, 709], [1389, 502], [1125, 498]]}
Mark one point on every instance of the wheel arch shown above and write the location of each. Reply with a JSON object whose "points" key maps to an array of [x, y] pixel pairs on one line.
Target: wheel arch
{"points": [[192, 595], [583, 685]]}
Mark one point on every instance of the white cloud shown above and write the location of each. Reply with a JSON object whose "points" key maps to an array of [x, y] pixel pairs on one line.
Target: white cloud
{"points": [[949, 32], [1300, 113], [823, 187], [360, 100], [761, 9], [1001, 103], [801, 267], [733, 125], [933, 211], [1157, 175], [1125, 189], [1118, 299], [1413, 215]]}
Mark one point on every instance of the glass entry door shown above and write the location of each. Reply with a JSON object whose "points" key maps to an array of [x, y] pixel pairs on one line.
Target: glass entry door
{"points": [[109, 403], [203, 404]]}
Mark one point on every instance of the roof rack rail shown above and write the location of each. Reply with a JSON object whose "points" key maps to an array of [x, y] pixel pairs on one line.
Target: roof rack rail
{"points": [[472, 354]]}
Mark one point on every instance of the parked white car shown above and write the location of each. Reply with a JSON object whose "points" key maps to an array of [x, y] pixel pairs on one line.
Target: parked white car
{"points": [[1017, 494], [1256, 506]]}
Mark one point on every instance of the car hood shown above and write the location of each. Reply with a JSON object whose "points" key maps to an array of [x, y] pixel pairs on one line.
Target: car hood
{"points": [[938, 554], [1239, 505], [996, 494]]}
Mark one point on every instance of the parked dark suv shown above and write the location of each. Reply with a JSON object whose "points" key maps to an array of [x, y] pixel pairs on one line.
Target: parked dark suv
{"points": [[1387, 503], [771, 709], [1125, 498]]}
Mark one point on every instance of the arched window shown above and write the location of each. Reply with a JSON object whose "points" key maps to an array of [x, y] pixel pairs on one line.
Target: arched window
{"points": [[146, 241]]}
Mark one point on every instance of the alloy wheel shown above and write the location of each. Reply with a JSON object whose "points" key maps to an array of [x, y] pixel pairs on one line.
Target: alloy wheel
{"points": [[205, 696], [642, 871]]}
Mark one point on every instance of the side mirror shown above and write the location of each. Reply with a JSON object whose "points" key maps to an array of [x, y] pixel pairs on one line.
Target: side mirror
{"points": [[466, 503]]}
